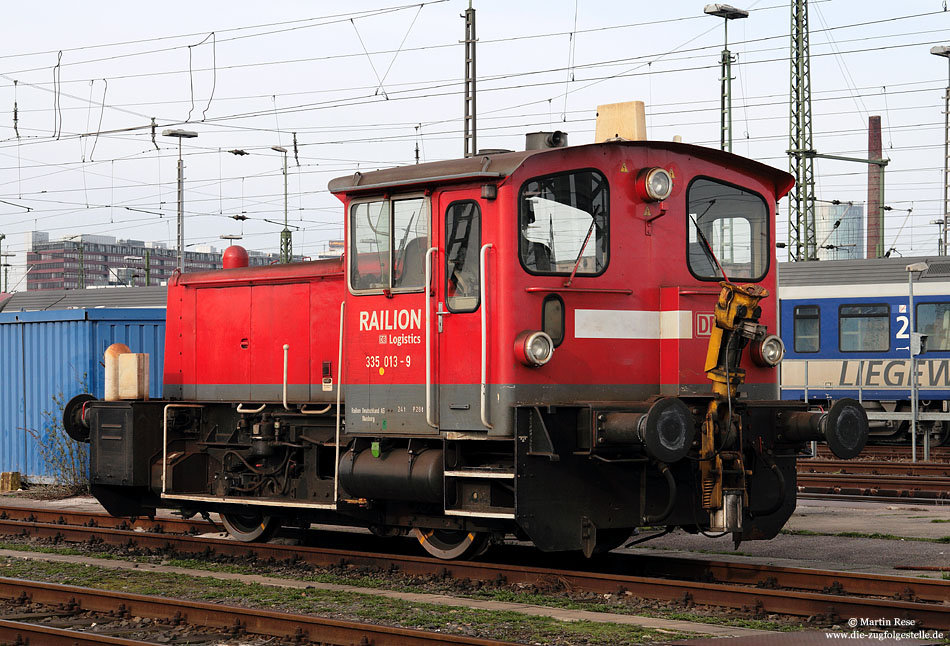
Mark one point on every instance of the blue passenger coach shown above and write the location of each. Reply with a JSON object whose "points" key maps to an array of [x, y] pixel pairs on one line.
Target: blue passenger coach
{"points": [[847, 331]]}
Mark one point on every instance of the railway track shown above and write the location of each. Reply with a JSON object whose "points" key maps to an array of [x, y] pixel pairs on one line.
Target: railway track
{"points": [[886, 478], [905, 488], [887, 452], [99, 617], [158, 525], [877, 467], [760, 589]]}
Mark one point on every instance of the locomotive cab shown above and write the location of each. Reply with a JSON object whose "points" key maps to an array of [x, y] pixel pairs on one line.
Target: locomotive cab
{"points": [[559, 344]]}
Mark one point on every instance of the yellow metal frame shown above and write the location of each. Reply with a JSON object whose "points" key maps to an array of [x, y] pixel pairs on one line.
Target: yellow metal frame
{"points": [[735, 304]]}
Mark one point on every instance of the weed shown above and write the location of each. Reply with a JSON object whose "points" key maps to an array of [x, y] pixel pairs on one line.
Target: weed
{"points": [[67, 460]]}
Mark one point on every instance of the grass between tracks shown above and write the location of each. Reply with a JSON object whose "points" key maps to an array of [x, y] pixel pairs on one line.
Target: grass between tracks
{"points": [[366, 607], [503, 625]]}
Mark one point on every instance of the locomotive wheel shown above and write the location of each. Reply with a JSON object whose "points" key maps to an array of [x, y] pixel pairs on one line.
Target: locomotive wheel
{"points": [[448, 544], [250, 527]]}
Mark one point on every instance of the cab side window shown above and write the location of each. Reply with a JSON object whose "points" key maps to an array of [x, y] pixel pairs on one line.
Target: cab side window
{"points": [[463, 237], [388, 242]]}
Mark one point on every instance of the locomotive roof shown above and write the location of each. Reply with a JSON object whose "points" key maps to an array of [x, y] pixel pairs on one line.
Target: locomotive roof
{"points": [[496, 166], [861, 271], [289, 272]]}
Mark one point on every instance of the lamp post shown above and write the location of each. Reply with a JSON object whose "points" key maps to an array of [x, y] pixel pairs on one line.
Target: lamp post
{"points": [[943, 50], [727, 13], [286, 242], [915, 349], [180, 134], [2, 238]]}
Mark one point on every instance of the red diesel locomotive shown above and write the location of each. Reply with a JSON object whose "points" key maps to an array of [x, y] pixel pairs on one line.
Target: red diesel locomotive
{"points": [[561, 344]]}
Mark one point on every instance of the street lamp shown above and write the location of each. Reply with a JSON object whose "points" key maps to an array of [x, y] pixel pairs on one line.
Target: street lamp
{"points": [[286, 243], [180, 134], [943, 50], [727, 13], [916, 343]]}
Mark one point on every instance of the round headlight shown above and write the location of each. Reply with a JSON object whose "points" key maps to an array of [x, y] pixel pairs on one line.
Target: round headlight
{"points": [[533, 348], [656, 184], [768, 352]]}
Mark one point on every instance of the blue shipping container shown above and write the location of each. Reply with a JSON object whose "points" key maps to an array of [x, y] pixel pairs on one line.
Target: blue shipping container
{"points": [[59, 353]]}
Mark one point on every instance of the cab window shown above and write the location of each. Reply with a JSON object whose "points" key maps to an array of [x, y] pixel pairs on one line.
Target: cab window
{"points": [[563, 220], [388, 242], [728, 231], [462, 246]]}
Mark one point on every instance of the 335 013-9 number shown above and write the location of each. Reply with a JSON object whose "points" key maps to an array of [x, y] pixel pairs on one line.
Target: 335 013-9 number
{"points": [[388, 361]]}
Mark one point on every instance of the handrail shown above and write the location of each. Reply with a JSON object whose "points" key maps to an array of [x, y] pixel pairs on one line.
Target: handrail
{"points": [[303, 410], [583, 290], [241, 409], [428, 287], [483, 289], [286, 349], [339, 389]]}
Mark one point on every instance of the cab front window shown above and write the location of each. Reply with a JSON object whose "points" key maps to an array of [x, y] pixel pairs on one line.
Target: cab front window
{"points": [[563, 222], [728, 232]]}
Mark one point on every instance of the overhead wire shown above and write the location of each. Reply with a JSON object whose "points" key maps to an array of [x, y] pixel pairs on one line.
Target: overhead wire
{"points": [[336, 18], [103, 106]]}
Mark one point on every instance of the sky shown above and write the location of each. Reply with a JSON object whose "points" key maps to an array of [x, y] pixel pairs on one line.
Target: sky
{"points": [[361, 85]]}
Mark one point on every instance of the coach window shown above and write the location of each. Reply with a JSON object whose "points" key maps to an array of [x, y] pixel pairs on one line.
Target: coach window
{"points": [[807, 328], [563, 220], [463, 239], [864, 328], [933, 319], [728, 232], [388, 242]]}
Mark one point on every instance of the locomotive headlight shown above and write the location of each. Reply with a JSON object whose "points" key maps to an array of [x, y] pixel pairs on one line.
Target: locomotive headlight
{"points": [[533, 348], [768, 352], [654, 184]]}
